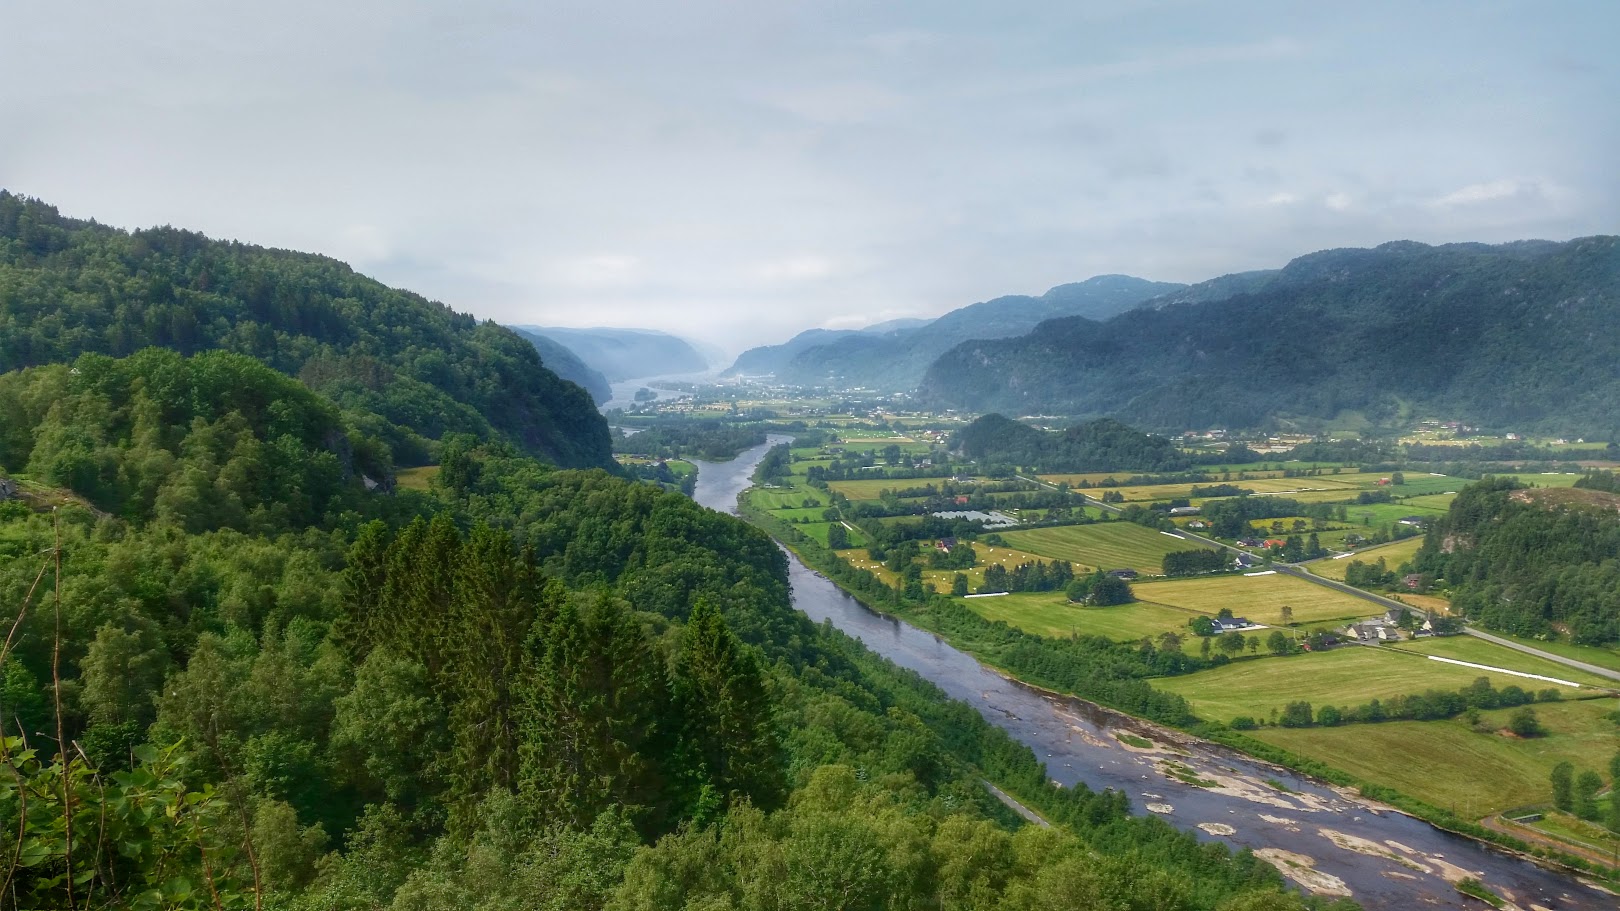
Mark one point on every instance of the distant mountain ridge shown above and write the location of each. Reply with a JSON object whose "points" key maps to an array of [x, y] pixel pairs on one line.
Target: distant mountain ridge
{"points": [[626, 354], [567, 365], [1517, 336], [896, 360]]}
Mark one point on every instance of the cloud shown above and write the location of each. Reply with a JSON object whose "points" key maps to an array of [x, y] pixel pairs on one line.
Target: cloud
{"points": [[1490, 191], [795, 269]]}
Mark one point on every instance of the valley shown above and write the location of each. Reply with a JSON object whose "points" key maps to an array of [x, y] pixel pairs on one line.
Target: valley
{"points": [[1293, 684]]}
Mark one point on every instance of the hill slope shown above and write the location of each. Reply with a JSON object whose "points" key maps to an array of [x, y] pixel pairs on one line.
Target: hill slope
{"points": [[898, 359], [567, 365], [70, 287], [627, 354], [1518, 336]]}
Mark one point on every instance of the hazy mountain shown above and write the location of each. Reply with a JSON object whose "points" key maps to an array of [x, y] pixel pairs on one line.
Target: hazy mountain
{"points": [[1514, 336], [626, 354], [567, 365], [897, 359]]}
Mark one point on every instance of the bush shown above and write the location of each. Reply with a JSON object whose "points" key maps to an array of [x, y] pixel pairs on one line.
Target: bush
{"points": [[1243, 723]]}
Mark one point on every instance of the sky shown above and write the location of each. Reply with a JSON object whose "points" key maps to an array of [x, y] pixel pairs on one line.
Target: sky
{"points": [[738, 171]]}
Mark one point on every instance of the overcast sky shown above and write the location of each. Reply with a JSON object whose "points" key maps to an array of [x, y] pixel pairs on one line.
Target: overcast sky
{"points": [[738, 171]]}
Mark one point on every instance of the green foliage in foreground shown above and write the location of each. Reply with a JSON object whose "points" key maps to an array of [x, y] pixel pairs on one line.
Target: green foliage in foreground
{"points": [[539, 713]]}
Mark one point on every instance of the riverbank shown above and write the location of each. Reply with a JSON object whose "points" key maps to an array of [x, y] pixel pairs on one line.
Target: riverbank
{"points": [[1375, 797]]}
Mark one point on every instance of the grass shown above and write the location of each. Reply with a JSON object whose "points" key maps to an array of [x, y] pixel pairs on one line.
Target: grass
{"points": [[941, 578], [818, 531], [1051, 614], [1591, 654], [1568, 827], [772, 498], [1259, 598], [1439, 501], [1448, 765], [1107, 545], [871, 489], [1345, 677], [416, 478], [1467, 648], [1393, 554]]}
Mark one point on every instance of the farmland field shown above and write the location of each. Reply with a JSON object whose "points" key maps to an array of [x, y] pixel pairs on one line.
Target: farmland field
{"points": [[1051, 614], [941, 578], [818, 531], [1451, 766], [1106, 545], [784, 497], [1394, 555], [1602, 656], [1346, 676], [870, 489], [1467, 648], [1259, 598]]}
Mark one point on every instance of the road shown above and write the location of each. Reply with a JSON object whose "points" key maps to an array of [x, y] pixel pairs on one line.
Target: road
{"points": [[1567, 662], [1371, 597]]}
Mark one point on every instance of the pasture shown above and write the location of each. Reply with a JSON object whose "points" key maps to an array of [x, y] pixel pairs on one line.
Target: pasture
{"points": [[1051, 614], [1259, 598], [872, 488], [1347, 676], [1449, 765], [1393, 554], [1105, 545], [1467, 648], [785, 497], [941, 578], [1602, 656]]}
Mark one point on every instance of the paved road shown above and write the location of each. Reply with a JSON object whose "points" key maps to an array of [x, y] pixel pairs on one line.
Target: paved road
{"points": [[1567, 662]]}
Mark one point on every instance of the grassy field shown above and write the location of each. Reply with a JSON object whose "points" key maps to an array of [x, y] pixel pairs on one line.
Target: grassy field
{"points": [[818, 531], [941, 578], [1377, 515], [1467, 648], [1436, 501], [1347, 676], [871, 489], [1259, 598], [1394, 555], [1107, 545], [1591, 654], [1449, 765], [416, 478], [1051, 614], [785, 497]]}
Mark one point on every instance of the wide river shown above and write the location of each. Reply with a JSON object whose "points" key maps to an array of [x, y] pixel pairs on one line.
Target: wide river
{"points": [[1327, 841]]}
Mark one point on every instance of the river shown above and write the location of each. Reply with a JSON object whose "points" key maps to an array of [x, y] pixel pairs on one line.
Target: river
{"points": [[1331, 842]]}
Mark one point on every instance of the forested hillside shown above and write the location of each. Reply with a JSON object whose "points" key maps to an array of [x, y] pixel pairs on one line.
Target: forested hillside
{"points": [[567, 365], [1532, 562], [1101, 445], [1518, 336], [243, 671], [897, 360], [70, 287]]}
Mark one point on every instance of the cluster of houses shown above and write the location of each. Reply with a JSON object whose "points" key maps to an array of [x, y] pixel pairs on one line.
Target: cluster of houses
{"points": [[1387, 628]]}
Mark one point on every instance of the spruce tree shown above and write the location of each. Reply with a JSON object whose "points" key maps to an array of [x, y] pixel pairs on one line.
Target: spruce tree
{"points": [[731, 742]]}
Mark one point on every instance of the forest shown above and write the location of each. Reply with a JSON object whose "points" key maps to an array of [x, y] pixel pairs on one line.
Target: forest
{"points": [[1531, 562], [1104, 445], [412, 369], [247, 670], [1460, 331]]}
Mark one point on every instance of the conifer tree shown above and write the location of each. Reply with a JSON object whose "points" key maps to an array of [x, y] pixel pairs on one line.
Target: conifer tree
{"points": [[719, 688]]}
